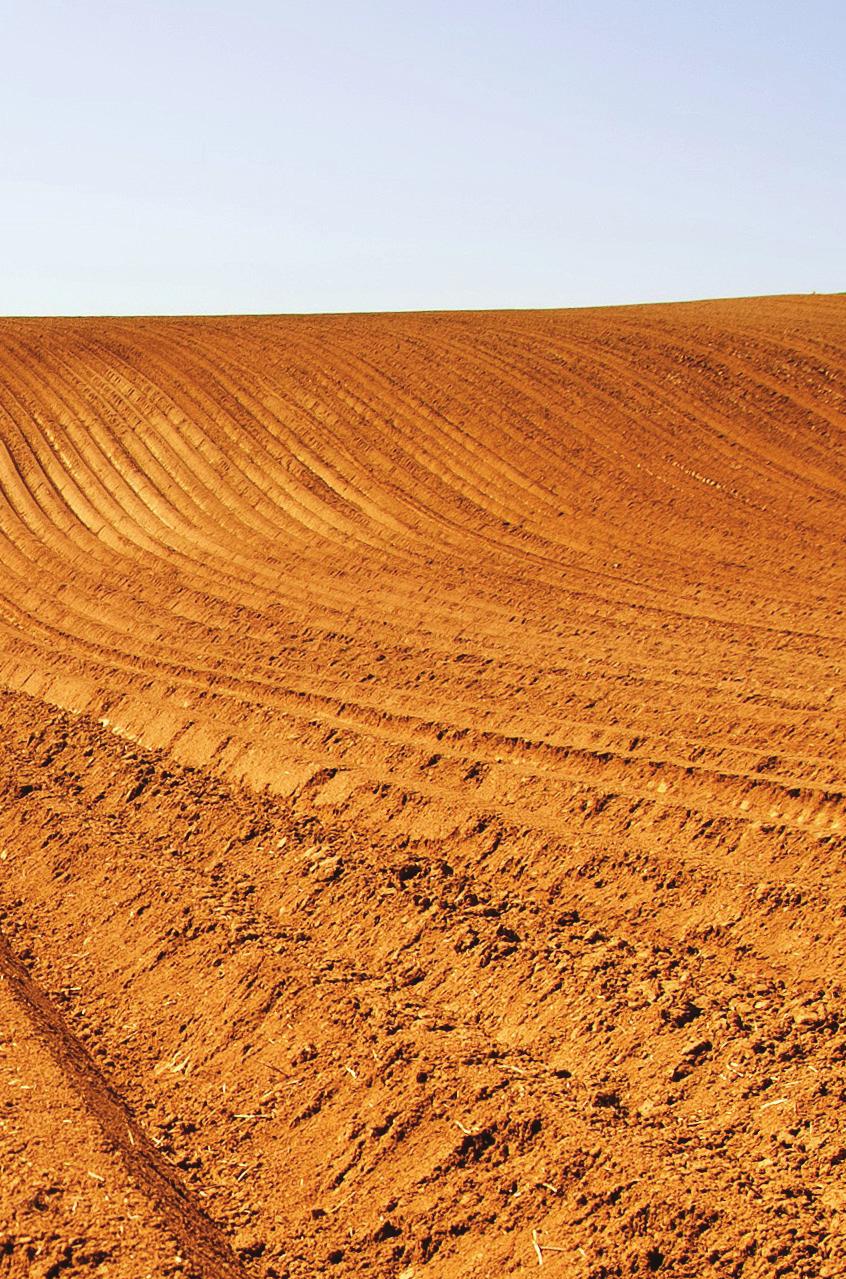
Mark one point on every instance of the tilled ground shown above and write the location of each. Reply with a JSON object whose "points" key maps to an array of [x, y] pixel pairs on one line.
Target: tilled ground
{"points": [[421, 794]]}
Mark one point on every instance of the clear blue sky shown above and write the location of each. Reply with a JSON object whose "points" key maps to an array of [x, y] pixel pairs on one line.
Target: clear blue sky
{"points": [[390, 154]]}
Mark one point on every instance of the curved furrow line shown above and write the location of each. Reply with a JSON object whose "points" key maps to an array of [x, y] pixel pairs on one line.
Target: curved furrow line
{"points": [[214, 572], [764, 401], [372, 720], [769, 400], [492, 461], [349, 411], [242, 420], [122, 507], [552, 451], [215, 479], [442, 439]]}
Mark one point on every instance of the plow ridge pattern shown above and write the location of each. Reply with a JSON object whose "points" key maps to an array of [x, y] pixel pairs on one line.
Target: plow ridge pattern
{"points": [[424, 782]]}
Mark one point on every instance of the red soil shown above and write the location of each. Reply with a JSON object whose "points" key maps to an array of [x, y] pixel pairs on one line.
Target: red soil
{"points": [[422, 787]]}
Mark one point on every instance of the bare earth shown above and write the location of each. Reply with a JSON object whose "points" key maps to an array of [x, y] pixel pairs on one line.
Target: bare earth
{"points": [[422, 818]]}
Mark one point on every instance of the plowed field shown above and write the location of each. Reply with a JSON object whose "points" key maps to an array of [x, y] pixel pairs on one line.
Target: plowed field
{"points": [[423, 794]]}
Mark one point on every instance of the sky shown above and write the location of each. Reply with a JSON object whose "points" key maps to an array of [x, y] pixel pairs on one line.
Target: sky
{"points": [[354, 155]]}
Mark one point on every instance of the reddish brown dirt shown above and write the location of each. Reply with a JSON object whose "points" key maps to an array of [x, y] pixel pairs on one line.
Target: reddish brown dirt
{"points": [[422, 817]]}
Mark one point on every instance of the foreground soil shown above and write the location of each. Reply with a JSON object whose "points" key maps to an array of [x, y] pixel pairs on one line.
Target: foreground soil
{"points": [[422, 779]]}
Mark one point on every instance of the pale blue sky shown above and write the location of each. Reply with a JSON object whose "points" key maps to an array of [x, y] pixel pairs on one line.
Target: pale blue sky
{"points": [[255, 156]]}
